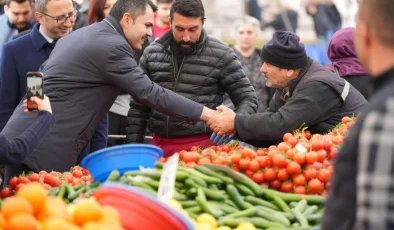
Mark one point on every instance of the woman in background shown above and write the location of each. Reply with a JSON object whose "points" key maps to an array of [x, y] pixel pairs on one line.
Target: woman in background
{"points": [[342, 53]]}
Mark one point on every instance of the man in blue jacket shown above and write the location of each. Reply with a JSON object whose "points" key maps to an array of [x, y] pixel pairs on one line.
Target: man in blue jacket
{"points": [[17, 18], [29, 52]]}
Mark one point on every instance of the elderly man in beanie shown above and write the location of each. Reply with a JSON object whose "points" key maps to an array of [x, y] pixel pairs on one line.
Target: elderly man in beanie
{"points": [[306, 93]]}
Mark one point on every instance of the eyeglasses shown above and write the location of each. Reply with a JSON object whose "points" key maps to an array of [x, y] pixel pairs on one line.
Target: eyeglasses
{"points": [[62, 19]]}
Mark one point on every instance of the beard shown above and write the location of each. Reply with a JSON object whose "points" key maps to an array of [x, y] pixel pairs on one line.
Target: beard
{"points": [[187, 50]]}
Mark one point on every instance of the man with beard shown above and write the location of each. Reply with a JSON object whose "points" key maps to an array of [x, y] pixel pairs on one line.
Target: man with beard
{"points": [[17, 18], [189, 62]]}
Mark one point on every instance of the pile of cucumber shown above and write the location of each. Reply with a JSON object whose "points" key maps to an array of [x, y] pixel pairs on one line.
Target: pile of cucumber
{"points": [[70, 193], [232, 201]]}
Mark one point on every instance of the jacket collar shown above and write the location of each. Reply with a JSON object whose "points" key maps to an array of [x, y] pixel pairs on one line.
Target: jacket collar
{"points": [[294, 82], [168, 37], [383, 79], [112, 22], [36, 37]]}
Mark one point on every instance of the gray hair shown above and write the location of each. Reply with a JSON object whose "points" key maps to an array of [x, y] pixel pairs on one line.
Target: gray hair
{"points": [[248, 20], [41, 5]]}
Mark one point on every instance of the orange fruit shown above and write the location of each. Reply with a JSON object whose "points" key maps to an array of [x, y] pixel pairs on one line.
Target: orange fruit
{"points": [[3, 223], [35, 194], [109, 212], [54, 207], [22, 221], [15, 205], [56, 224], [87, 210], [93, 226]]}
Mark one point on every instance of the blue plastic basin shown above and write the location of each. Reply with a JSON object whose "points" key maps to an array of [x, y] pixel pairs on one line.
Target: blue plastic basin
{"points": [[123, 158]]}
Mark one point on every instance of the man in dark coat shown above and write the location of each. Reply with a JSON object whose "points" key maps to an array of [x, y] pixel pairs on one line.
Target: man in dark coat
{"points": [[307, 93], [83, 77], [194, 65]]}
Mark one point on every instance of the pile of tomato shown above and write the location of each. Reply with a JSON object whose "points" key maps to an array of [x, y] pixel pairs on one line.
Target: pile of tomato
{"points": [[302, 163], [76, 176]]}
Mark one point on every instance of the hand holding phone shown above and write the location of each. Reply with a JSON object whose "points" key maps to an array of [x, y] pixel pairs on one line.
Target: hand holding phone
{"points": [[42, 104], [34, 89]]}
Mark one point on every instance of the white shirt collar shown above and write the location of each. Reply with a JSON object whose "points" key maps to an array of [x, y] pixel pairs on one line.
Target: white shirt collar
{"points": [[50, 40]]}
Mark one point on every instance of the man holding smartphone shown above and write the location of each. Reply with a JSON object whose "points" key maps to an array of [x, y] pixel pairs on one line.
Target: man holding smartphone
{"points": [[85, 73]]}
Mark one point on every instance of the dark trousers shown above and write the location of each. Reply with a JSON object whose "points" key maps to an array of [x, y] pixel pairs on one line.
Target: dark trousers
{"points": [[117, 126]]}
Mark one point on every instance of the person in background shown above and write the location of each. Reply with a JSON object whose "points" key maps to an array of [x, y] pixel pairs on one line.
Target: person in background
{"points": [[17, 18], [306, 93], [285, 20], [99, 9], [162, 18], [2, 4], [247, 33], [345, 63], [15, 151], [192, 64], [361, 195]]}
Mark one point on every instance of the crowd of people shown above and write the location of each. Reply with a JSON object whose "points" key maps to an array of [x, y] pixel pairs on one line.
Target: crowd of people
{"points": [[138, 67]]}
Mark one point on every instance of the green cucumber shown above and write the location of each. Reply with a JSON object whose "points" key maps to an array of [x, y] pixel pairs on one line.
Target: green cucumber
{"points": [[315, 218], [301, 206], [53, 192], [195, 209], [274, 217], [256, 201], [188, 203], [198, 180], [288, 197], [244, 213], [114, 175], [235, 196], [207, 179], [281, 204], [154, 184], [300, 218], [228, 209], [243, 189], [259, 222], [191, 192], [310, 210], [210, 172], [159, 165]]}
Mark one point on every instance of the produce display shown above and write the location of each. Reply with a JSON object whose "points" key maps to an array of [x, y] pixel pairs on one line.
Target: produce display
{"points": [[32, 209], [76, 176], [301, 164], [231, 198]]}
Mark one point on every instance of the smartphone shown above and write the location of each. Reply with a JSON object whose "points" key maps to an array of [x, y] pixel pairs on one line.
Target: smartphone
{"points": [[34, 89]]}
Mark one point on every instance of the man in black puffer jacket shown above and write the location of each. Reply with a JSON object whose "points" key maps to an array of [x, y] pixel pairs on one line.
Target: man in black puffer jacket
{"points": [[196, 66]]}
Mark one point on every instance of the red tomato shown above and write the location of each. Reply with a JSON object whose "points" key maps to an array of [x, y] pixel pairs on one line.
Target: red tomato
{"points": [[220, 160], [280, 161], [293, 168], [333, 153], [161, 159], [182, 154], [282, 175], [287, 136], [311, 157], [258, 177], [300, 190], [235, 168], [76, 173], [248, 153], [218, 148], [235, 159], [260, 152], [19, 186], [299, 180], [34, 177], [23, 180], [47, 186], [292, 141], [327, 143], [310, 174], [323, 175], [271, 154], [276, 184], [226, 148], [244, 164], [52, 180], [254, 165], [191, 157], [337, 140], [345, 120], [307, 134], [317, 145], [287, 187], [299, 158], [204, 161], [272, 147], [317, 165], [194, 149], [249, 174], [13, 182], [315, 186], [207, 152], [6, 192], [270, 174], [283, 147], [321, 155], [191, 164], [263, 161], [42, 173]]}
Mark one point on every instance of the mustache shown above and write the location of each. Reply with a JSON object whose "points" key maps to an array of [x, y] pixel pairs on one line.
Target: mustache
{"points": [[186, 43]]}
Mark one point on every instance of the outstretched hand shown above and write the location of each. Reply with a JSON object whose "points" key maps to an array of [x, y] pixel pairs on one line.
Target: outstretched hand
{"points": [[224, 122], [42, 104]]}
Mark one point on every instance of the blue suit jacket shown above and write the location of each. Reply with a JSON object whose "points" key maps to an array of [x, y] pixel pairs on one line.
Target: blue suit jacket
{"points": [[27, 54]]}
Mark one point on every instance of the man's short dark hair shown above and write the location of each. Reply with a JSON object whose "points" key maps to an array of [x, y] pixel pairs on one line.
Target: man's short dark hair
{"points": [[188, 8], [134, 7], [380, 17], [17, 1], [164, 1]]}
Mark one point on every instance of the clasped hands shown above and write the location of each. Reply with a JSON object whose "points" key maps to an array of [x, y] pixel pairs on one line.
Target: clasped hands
{"points": [[222, 123]]}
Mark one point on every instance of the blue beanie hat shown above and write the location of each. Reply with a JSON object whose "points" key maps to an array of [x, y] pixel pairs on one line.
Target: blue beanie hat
{"points": [[285, 51]]}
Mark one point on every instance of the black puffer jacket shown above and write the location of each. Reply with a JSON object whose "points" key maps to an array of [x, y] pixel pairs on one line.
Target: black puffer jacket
{"points": [[204, 76]]}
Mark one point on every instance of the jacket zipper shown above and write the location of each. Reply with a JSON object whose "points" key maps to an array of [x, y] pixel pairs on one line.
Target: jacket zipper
{"points": [[176, 76]]}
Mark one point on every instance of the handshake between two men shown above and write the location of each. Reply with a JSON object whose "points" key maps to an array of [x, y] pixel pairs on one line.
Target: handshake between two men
{"points": [[222, 123]]}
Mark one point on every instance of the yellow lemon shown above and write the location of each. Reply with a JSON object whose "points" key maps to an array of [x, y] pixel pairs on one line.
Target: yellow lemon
{"points": [[207, 218]]}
